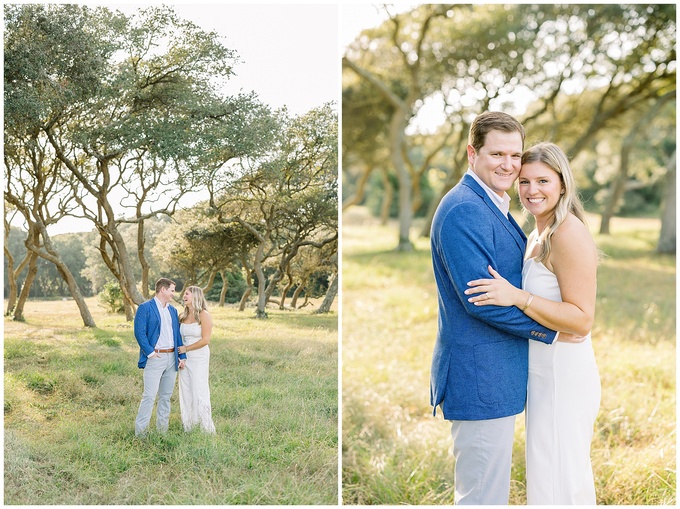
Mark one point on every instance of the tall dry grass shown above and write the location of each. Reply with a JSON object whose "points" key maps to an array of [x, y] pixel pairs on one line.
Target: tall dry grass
{"points": [[395, 452], [71, 397]]}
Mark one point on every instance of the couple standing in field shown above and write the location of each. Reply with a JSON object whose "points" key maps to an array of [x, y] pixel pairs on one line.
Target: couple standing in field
{"points": [[514, 321], [168, 343]]}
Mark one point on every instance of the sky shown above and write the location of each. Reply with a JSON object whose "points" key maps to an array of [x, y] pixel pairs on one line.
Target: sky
{"points": [[288, 52], [355, 17]]}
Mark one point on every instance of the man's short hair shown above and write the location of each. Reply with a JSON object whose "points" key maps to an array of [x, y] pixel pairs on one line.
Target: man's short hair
{"points": [[492, 121], [164, 282]]}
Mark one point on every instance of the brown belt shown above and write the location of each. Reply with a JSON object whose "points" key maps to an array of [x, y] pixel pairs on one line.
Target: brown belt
{"points": [[164, 350]]}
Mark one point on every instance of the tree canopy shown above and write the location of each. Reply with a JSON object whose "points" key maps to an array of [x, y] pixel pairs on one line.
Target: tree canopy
{"points": [[570, 73], [130, 116]]}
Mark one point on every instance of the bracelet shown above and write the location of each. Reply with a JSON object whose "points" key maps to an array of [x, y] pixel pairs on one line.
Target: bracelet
{"points": [[531, 297]]}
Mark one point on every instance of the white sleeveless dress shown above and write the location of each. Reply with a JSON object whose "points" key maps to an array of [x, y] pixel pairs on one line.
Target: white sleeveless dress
{"points": [[562, 404], [194, 391]]}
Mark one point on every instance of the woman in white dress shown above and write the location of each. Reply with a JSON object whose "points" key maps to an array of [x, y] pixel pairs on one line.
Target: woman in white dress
{"points": [[558, 291], [194, 391]]}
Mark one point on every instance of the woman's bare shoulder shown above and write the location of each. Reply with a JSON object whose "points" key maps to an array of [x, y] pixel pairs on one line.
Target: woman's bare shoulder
{"points": [[205, 316], [573, 237]]}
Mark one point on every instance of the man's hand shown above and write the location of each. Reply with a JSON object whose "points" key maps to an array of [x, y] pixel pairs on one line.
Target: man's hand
{"points": [[181, 363]]}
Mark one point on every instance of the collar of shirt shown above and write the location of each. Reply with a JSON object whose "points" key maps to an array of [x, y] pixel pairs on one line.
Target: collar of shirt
{"points": [[160, 304], [502, 202], [165, 340]]}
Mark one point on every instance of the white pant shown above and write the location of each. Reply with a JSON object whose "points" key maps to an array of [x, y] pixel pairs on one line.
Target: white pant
{"points": [[159, 379], [483, 452]]}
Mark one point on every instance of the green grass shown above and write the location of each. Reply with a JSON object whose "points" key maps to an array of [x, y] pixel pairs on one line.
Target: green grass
{"points": [[71, 397], [395, 452]]}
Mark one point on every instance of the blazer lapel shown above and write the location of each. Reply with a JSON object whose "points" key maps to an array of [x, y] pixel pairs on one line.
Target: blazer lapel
{"points": [[519, 231], [508, 222], [156, 323], [156, 313]]}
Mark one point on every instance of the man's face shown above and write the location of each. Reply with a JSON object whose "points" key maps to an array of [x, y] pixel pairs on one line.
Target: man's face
{"points": [[167, 294], [498, 161]]}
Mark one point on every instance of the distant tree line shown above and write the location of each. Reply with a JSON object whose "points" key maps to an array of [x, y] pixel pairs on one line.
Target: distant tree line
{"points": [[118, 120], [92, 276]]}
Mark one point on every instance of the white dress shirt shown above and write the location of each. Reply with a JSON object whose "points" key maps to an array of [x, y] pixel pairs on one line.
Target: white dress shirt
{"points": [[167, 337], [502, 202]]}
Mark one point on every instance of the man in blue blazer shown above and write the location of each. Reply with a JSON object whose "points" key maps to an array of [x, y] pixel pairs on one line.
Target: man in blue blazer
{"points": [[157, 332], [480, 362]]}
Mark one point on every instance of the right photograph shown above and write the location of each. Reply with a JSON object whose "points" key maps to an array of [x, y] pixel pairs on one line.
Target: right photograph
{"points": [[508, 254]]}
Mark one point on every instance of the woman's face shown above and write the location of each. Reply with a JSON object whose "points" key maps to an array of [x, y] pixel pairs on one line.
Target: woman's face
{"points": [[187, 297], [540, 188]]}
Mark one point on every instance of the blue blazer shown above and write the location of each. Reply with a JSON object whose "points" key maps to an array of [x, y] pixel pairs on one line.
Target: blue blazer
{"points": [[148, 330], [481, 356]]}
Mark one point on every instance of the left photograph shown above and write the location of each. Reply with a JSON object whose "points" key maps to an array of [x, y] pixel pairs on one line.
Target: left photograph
{"points": [[170, 254]]}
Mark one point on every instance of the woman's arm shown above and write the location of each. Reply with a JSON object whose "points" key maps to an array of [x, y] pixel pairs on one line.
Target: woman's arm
{"points": [[206, 331], [573, 260]]}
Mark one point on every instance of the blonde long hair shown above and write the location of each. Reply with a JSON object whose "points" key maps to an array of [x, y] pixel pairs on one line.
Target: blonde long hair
{"points": [[197, 301], [552, 156]]}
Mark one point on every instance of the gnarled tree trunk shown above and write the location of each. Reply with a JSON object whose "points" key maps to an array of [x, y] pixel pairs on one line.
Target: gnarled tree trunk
{"points": [[667, 237], [330, 295]]}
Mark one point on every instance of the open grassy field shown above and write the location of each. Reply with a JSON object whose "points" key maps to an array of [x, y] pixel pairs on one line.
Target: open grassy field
{"points": [[71, 396], [395, 452]]}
